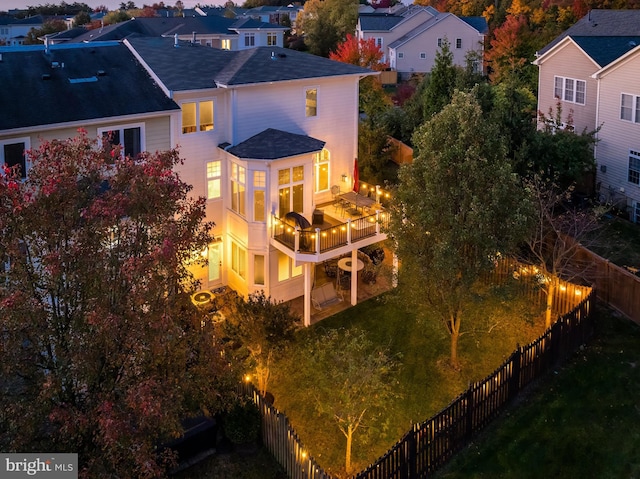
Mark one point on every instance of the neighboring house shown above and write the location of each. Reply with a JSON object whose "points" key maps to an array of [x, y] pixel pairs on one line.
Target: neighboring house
{"points": [[214, 31], [14, 31], [591, 72], [272, 14], [411, 37], [264, 132]]}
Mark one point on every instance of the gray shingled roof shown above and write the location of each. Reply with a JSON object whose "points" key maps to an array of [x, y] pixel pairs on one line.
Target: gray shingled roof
{"points": [[272, 144], [112, 84], [193, 67], [604, 50], [376, 22], [601, 23]]}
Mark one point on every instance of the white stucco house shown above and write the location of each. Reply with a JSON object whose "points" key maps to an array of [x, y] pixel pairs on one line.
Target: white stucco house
{"points": [[265, 132]]}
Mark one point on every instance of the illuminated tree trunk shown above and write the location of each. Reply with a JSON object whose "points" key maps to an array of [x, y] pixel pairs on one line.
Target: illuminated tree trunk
{"points": [[454, 330], [347, 463], [551, 290]]}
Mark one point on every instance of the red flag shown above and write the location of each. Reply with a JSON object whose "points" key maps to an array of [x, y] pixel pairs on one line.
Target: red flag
{"points": [[356, 179]]}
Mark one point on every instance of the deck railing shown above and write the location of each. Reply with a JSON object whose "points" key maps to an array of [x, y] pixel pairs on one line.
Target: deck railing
{"points": [[314, 240]]}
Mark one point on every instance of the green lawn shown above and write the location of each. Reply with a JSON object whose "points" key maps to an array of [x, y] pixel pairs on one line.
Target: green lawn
{"points": [[426, 384], [583, 421]]}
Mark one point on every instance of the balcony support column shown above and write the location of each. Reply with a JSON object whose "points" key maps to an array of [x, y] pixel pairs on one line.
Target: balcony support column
{"points": [[307, 293]]}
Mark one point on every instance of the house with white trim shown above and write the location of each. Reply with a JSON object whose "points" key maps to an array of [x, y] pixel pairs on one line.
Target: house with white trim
{"points": [[411, 37], [267, 134], [591, 72]]}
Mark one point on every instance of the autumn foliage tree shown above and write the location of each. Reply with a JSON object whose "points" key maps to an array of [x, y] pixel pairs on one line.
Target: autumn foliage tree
{"points": [[101, 351], [363, 52]]}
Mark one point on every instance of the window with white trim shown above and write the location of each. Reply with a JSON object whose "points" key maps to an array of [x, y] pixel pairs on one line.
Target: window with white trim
{"points": [[249, 39], [423, 55], [570, 89], [321, 162], [225, 44], [458, 42], [379, 42], [238, 188], [238, 260], [634, 167], [129, 137], [311, 102], [291, 190], [214, 255], [630, 107], [258, 269], [287, 268], [259, 195], [272, 39], [214, 179], [197, 116], [400, 55], [439, 42], [13, 154]]}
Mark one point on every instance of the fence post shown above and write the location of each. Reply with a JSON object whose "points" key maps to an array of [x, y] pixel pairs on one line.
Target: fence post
{"points": [[410, 454], [514, 380], [469, 412]]}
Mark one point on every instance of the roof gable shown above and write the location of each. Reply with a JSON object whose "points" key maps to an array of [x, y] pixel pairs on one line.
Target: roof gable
{"points": [[272, 144], [74, 83]]}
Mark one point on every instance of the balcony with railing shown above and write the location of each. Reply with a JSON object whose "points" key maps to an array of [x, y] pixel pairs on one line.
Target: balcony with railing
{"points": [[334, 237]]}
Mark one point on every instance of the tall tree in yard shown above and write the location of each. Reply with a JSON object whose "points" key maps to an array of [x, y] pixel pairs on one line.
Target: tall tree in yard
{"points": [[102, 352], [326, 23], [457, 207]]}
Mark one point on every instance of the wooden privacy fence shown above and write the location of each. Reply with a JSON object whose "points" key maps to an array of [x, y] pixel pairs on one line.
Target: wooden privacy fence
{"points": [[282, 442], [429, 445]]}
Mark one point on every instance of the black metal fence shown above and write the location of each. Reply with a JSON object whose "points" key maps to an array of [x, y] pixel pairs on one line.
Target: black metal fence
{"points": [[429, 445]]}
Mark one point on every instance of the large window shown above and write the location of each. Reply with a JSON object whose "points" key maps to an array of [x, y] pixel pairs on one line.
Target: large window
{"points": [[569, 89], [321, 162], [238, 189], [214, 178], [239, 260], [291, 190], [634, 167], [287, 268], [272, 39], [129, 137], [311, 102], [259, 193], [225, 44], [197, 116], [249, 39], [630, 108], [13, 154]]}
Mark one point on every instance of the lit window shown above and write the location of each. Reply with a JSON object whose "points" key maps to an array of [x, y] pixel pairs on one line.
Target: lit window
{"points": [[226, 44], [239, 260], [259, 194], [238, 188], [321, 161], [214, 176], [311, 102], [291, 190], [197, 116], [258, 269], [287, 268]]}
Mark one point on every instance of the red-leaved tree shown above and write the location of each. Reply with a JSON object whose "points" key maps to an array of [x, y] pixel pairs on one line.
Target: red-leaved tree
{"points": [[101, 352], [364, 53]]}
